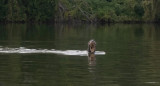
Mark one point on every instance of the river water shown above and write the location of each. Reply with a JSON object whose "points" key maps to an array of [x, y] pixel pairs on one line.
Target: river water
{"points": [[56, 55]]}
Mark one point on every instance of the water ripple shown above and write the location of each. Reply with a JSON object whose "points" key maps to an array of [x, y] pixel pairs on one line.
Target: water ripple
{"points": [[23, 50]]}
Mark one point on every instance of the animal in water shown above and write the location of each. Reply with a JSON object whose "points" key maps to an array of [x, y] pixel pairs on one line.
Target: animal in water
{"points": [[91, 46]]}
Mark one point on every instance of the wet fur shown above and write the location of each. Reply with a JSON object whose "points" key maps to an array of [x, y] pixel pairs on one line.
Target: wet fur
{"points": [[91, 46]]}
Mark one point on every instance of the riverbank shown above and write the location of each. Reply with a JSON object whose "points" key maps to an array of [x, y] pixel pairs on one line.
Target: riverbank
{"points": [[79, 22]]}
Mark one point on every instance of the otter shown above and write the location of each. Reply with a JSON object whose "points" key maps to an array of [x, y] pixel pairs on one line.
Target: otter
{"points": [[91, 46]]}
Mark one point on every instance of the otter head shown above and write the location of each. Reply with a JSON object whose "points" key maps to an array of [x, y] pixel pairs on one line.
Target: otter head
{"points": [[91, 46]]}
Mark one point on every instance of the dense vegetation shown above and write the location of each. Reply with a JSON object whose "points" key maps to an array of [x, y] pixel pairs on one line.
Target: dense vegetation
{"points": [[27, 10], [79, 10]]}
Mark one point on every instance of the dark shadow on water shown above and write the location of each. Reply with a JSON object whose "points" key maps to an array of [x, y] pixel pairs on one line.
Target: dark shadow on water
{"points": [[92, 67], [91, 59]]}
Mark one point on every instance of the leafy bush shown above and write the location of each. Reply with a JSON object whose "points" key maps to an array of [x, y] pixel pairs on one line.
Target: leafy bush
{"points": [[139, 10], [3, 9], [81, 10]]}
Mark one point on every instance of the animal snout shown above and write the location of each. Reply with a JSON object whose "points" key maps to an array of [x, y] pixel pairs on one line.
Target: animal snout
{"points": [[91, 46]]}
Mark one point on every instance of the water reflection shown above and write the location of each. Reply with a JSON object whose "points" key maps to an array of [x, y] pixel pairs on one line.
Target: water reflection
{"points": [[91, 59], [92, 67], [92, 63], [132, 57]]}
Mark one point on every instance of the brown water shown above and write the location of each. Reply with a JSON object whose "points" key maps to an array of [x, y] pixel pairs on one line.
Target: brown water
{"points": [[127, 55]]}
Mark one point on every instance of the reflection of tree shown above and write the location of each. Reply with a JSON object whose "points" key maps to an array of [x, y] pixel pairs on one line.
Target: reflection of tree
{"points": [[151, 64], [13, 34], [133, 50], [132, 56], [73, 35], [12, 67]]}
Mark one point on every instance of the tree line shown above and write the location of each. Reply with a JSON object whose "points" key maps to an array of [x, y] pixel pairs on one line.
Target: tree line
{"points": [[79, 10], [26, 10]]}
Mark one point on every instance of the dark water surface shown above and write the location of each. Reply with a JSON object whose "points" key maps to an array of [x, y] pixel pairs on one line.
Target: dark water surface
{"points": [[128, 55]]}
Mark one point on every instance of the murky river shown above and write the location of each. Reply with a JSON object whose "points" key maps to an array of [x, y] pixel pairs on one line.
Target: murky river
{"points": [[56, 55]]}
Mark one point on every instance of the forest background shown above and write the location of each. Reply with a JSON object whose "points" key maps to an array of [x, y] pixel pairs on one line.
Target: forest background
{"points": [[105, 11]]}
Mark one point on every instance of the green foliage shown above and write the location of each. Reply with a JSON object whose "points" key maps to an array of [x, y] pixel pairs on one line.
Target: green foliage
{"points": [[39, 10], [79, 10], [139, 10], [109, 0], [3, 9], [14, 11], [27, 10]]}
